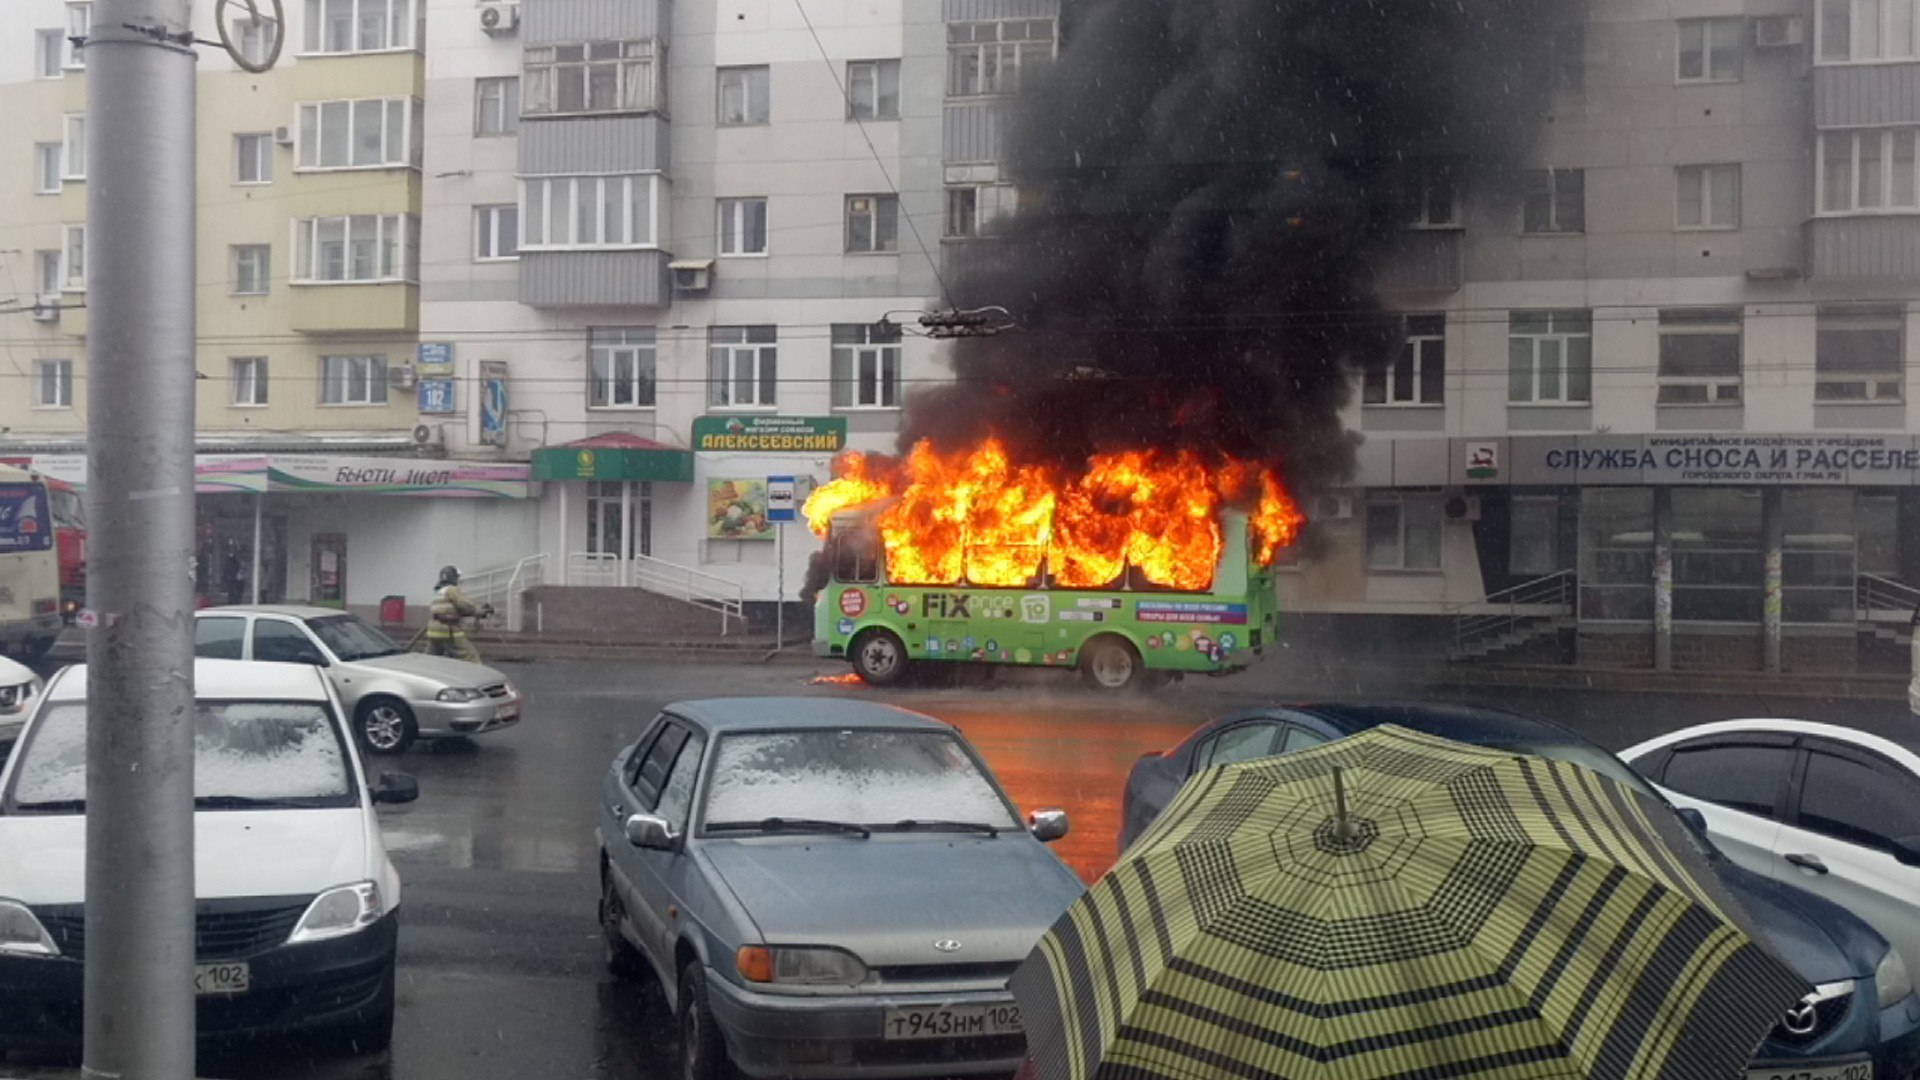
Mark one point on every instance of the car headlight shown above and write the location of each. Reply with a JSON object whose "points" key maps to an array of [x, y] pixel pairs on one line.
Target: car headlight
{"points": [[801, 965], [1892, 979], [459, 693], [339, 912], [21, 933]]}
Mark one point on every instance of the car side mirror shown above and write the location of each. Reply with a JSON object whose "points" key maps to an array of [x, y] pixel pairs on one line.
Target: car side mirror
{"points": [[1047, 825], [1906, 850], [396, 788], [1692, 817], [649, 831]]}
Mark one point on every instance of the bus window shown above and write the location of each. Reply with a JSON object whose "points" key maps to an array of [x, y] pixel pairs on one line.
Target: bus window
{"points": [[67, 508], [856, 556]]}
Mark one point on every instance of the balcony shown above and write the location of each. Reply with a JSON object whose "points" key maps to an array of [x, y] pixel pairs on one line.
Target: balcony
{"points": [[355, 308], [552, 279], [1885, 247], [1422, 260], [1866, 95]]}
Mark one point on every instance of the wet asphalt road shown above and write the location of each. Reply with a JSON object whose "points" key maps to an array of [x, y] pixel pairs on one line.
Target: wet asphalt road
{"points": [[500, 972]]}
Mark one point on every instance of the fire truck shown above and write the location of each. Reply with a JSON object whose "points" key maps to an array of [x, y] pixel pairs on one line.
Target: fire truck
{"points": [[30, 578]]}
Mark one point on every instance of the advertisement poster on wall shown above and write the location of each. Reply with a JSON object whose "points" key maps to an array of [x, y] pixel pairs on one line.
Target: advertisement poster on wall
{"points": [[737, 510]]}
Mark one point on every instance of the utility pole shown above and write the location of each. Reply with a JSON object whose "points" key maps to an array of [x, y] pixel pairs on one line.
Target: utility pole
{"points": [[139, 1015]]}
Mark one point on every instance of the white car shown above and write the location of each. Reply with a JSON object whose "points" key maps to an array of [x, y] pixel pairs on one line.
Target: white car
{"points": [[296, 916], [1829, 809], [19, 686]]}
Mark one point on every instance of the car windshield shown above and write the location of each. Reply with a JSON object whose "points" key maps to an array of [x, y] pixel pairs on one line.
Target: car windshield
{"points": [[350, 637], [857, 776], [246, 754], [1589, 757]]}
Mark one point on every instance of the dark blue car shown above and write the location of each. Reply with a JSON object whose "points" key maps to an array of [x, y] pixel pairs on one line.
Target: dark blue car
{"points": [[1862, 1022]]}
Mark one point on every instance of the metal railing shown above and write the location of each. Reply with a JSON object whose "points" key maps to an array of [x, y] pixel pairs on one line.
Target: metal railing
{"points": [[1879, 599], [505, 587], [594, 568], [661, 577], [1501, 613]]}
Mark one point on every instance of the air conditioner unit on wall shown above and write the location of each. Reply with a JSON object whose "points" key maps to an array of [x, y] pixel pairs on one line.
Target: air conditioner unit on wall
{"points": [[1463, 507], [691, 275], [402, 377], [496, 18], [46, 308], [1333, 508], [283, 136], [1777, 31]]}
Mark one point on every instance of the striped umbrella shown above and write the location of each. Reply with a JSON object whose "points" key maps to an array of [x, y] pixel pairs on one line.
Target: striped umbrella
{"points": [[1394, 905]]}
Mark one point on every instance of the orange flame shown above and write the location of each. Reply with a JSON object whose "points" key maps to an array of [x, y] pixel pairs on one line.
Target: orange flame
{"points": [[849, 678], [975, 516]]}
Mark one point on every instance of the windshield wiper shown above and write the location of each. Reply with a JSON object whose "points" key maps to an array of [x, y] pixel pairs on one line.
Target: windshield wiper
{"points": [[52, 806], [250, 802], [938, 825], [791, 824]]}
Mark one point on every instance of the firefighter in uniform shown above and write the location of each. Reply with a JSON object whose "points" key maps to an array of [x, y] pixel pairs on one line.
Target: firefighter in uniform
{"points": [[446, 632]]}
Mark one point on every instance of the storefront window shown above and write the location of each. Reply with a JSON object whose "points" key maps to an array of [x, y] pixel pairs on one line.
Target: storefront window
{"points": [[1534, 540], [1616, 554], [1719, 569], [1878, 521], [1817, 543], [604, 533]]}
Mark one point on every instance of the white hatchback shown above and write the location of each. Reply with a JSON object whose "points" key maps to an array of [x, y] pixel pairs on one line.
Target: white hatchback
{"points": [[296, 922]]}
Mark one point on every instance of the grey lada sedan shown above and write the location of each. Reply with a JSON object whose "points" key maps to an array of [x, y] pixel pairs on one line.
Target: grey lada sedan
{"points": [[824, 887]]}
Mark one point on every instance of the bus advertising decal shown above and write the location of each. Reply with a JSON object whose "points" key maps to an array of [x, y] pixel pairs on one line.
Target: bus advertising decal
{"points": [[853, 603], [1083, 616], [1190, 611], [23, 516]]}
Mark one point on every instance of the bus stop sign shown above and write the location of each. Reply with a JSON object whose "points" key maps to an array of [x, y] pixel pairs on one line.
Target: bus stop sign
{"points": [[780, 499]]}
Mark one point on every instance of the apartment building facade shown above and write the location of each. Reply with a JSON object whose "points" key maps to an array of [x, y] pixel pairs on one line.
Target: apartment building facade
{"points": [[1656, 402]]}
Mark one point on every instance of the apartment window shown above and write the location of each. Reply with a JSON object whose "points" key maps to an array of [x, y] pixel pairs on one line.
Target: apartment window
{"points": [[1403, 532], [1847, 31], [743, 226], [46, 168], [593, 76], [253, 38], [620, 367], [53, 384], [496, 106], [252, 269], [873, 89], [353, 380], [74, 274], [1859, 355], [1550, 357], [347, 26], [253, 159], [1700, 356], [589, 211], [873, 223], [972, 210], [496, 232], [76, 148], [79, 25], [247, 375], [1433, 195], [866, 365], [1555, 201], [363, 247], [375, 133], [744, 96], [1418, 376], [985, 58], [1710, 49], [49, 53], [1568, 45], [742, 364], [46, 272], [1707, 197], [1868, 170]]}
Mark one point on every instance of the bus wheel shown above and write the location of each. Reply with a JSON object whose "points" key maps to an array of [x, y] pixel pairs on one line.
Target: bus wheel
{"points": [[879, 658], [1109, 663]]}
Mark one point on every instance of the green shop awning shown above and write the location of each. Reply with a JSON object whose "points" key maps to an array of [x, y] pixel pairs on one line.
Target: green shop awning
{"points": [[614, 456]]}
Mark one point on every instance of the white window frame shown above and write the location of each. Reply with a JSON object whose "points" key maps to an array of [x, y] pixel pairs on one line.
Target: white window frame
{"points": [[49, 53], [61, 384], [493, 232], [309, 259], [1706, 29], [752, 85], [1424, 345], [1557, 212], [398, 150], [1877, 387], [80, 26], [731, 218], [1699, 178], [972, 209], [1564, 338], [1400, 502], [995, 59], [624, 353], [737, 351], [637, 66], [73, 156], [1421, 196], [866, 368], [398, 27], [253, 38], [73, 258], [874, 76], [872, 212], [1722, 389], [496, 106], [338, 372], [47, 273], [248, 380], [538, 202], [49, 167], [245, 264], [258, 146], [1880, 146], [1896, 34]]}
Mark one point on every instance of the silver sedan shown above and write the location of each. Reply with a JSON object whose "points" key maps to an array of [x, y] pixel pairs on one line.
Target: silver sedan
{"points": [[393, 695]]}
